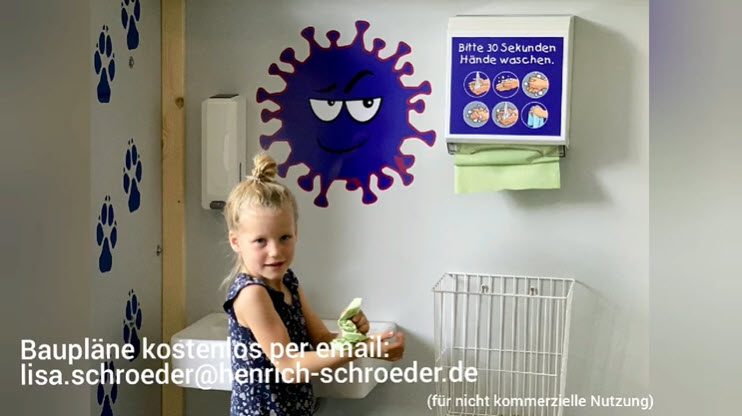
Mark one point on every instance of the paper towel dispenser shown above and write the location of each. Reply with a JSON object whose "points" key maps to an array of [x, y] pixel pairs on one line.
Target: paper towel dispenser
{"points": [[223, 148], [508, 80]]}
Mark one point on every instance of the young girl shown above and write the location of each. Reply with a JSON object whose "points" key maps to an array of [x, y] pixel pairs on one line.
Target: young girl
{"points": [[266, 305]]}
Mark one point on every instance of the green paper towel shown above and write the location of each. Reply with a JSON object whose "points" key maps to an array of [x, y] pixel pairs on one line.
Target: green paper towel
{"points": [[349, 334], [494, 167]]}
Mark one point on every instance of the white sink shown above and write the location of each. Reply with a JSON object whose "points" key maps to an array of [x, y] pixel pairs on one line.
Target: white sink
{"points": [[208, 340]]}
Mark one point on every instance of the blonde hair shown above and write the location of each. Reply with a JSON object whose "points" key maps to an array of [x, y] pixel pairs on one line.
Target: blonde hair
{"points": [[257, 190]]}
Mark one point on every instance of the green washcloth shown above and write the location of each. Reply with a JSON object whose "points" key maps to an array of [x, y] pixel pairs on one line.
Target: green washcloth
{"points": [[494, 167], [349, 333]]}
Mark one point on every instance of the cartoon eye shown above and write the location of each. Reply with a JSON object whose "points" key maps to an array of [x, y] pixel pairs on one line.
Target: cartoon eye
{"points": [[363, 110], [326, 110]]}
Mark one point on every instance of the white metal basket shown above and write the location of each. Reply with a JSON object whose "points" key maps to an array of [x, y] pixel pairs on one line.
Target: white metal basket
{"points": [[514, 330]]}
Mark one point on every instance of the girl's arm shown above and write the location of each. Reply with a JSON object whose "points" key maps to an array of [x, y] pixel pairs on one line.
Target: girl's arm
{"points": [[318, 332], [253, 308]]}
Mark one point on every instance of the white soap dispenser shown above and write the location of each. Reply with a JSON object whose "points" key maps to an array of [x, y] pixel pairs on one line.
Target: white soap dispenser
{"points": [[223, 148]]}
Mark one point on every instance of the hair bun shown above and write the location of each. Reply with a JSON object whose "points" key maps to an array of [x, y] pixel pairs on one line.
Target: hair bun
{"points": [[265, 168]]}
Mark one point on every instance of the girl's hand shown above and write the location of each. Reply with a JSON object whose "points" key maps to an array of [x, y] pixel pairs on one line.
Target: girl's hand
{"points": [[390, 351], [361, 322]]}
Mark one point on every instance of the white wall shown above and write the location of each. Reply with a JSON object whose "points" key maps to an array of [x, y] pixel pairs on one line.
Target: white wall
{"points": [[391, 253], [45, 182], [63, 152], [696, 232]]}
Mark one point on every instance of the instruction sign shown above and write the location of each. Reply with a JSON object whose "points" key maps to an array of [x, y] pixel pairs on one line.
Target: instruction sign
{"points": [[506, 86]]}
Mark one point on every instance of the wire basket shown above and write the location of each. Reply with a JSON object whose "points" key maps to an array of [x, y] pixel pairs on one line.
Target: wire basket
{"points": [[515, 331]]}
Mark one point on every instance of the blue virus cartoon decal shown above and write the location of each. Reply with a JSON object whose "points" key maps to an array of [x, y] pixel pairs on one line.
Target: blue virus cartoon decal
{"points": [[130, 13], [104, 65], [345, 114], [133, 323], [132, 175], [106, 235], [106, 400]]}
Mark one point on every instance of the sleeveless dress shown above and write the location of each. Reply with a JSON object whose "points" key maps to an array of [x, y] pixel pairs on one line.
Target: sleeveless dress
{"points": [[268, 398]]}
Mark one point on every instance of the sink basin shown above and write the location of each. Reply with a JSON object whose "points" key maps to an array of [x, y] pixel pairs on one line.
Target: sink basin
{"points": [[356, 389], [207, 339]]}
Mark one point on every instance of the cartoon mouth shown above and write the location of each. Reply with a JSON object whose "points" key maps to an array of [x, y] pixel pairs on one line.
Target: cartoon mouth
{"points": [[341, 151]]}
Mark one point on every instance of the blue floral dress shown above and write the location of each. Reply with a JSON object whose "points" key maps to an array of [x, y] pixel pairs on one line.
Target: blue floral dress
{"points": [[269, 398]]}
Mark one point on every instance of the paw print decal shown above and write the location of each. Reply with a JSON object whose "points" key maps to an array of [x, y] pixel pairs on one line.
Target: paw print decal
{"points": [[133, 323], [107, 399], [106, 235], [104, 65], [132, 175], [130, 13]]}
